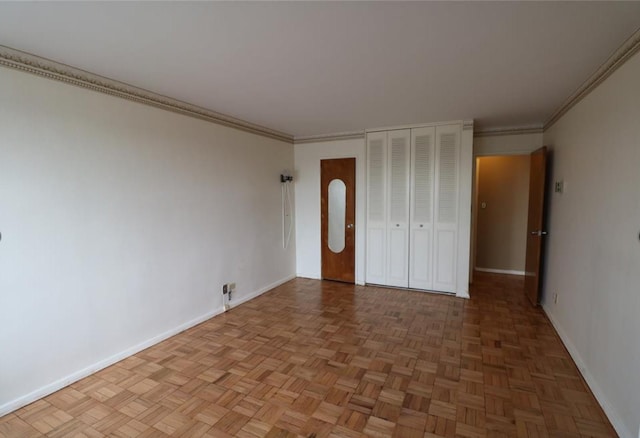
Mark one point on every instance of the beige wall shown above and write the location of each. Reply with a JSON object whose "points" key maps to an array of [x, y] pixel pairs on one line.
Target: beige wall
{"points": [[593, 257], [503, 184]]}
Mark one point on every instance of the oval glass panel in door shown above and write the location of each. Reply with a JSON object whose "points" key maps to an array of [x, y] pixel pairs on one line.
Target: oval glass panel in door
{"points": [[337, 215]]}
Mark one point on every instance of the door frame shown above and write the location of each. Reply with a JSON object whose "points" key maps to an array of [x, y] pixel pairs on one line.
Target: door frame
{"points": [[351, 195], [465, 181], [347, 149], [474, 200]]}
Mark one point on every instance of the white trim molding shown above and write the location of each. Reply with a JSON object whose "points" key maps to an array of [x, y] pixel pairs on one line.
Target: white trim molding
{"points": [[418, 125], [308, 276], [463, 294], [518, 130], [26, 62], [629, 48], [328, 137], [466, 125], [260, 291], [500, 271]]}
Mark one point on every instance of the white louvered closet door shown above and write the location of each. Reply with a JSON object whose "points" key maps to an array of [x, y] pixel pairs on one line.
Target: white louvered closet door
{"points": [[421, 208], [446, 207], [376, 264], [399, 157]]}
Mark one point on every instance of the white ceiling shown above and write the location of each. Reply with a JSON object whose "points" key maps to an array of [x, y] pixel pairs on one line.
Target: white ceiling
{"points": [[320, 68]]}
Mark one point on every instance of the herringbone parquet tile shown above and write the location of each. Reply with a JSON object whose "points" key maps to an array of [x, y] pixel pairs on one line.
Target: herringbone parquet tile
{"points": [[317, 359]]}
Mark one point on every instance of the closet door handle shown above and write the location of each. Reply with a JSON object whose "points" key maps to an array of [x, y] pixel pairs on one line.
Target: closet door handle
{"points": [[350, 226]]}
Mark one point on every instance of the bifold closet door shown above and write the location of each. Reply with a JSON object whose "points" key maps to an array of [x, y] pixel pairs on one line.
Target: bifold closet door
{"points": [[421, 208], [376, 251], [446, 207], [412, 207], [399, 158]]}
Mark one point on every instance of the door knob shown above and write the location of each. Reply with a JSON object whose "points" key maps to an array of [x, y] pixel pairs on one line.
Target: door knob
{"points": [[350, 226], [538, 233]]}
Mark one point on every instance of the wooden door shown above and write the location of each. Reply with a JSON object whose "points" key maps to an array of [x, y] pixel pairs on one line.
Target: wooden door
{"points": [[338, 215], [535, 225]]}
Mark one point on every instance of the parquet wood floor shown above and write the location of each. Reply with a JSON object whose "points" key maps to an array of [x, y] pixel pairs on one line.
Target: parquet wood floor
{"points": [[317, 359]]}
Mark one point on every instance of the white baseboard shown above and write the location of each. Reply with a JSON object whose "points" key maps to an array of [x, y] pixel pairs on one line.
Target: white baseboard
{"points": [[607, 407], [81, 374], [358, 281], [262, 290], [310, 276], [500, 271]]}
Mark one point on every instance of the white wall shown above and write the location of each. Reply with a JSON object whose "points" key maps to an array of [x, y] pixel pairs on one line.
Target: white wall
{"points": [[120, 222], [512, 144], [593, 252], [307, 187], [307, 184]]}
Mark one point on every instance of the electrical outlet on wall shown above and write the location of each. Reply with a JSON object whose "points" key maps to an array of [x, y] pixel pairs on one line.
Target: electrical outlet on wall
{"points": [[226, 296], [560, 187], [232, 289]]}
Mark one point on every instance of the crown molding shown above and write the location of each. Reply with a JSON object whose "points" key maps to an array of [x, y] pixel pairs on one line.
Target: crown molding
{"points": [[629, 48], [466, 125], [28, 63], [463, 123], [508, 131], [329, 137]]}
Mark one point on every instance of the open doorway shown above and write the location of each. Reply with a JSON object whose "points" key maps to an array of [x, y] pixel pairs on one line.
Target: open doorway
{"points": [[500, 214]]}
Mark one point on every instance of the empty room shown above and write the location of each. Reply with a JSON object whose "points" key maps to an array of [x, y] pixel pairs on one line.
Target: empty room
{"points": [[320, 219]]}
